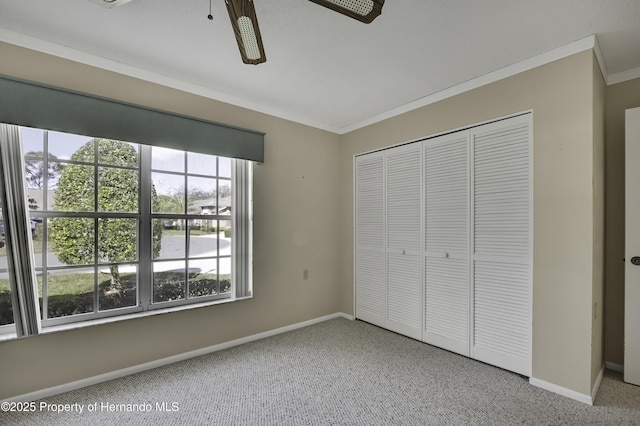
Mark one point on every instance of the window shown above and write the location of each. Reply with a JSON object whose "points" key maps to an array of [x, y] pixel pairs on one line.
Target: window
{"points": [[118, 228]]}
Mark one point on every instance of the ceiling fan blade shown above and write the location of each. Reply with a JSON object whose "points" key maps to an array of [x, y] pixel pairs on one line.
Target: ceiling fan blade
{"points": [[245, 27], [109, 3], [362, 10]]}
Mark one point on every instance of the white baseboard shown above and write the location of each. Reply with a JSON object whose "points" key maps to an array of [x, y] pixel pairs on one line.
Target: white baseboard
{"points": [[55, 390], [615, 367], [581, 397]]}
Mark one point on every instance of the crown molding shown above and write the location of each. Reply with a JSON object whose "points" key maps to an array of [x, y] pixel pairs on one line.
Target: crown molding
{"points": [[577, 46], [586, 43], [623, 76]]}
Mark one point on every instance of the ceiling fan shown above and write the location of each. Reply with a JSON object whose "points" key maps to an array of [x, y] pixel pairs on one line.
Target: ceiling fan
{"points": [[245, 22]]}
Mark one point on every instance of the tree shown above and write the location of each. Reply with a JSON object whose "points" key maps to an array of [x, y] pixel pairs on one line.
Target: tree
{"points": [[33, 203], [34, 169], [73, 238]]}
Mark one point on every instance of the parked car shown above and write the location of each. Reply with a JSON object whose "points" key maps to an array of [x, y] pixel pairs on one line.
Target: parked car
{"points": [[170, 224]]}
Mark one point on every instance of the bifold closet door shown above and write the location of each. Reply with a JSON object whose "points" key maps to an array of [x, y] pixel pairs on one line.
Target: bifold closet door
{"points": [[404, 240], [502, 244], [370, 253], [447, 287]]}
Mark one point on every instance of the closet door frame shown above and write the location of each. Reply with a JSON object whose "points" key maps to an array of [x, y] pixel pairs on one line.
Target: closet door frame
{"points": [[470, 352]]}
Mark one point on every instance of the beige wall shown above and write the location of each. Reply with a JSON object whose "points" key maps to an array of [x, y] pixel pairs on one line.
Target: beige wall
{"points": [[304, 189], [619, 97], [561, 95], [597, 330], [295, 228]]}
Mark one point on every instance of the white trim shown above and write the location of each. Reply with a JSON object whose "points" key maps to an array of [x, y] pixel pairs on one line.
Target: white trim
{"points": [[578, 46], [89, 381], [353, 221], [577, 396], [614, 367], [152, 77], [600, 60], [531, 238], [623, 76], [596, 385]]}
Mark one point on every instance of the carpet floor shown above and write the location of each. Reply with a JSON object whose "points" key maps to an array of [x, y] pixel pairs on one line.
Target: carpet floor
{"points": [[338, 372]]}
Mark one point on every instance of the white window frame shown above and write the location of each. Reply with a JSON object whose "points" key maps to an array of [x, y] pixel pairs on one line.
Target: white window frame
{"points": [[241, 248]]}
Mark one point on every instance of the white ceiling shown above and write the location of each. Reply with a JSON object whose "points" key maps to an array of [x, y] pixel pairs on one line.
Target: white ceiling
{"points": [[324, 69]]}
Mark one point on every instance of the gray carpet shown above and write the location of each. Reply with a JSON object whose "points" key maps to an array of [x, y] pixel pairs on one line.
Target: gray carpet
{"points": [[339, 372]]}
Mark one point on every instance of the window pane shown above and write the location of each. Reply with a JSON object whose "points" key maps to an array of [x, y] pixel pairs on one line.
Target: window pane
{"points": [[169, 281], [166, 159], [34, 184], [117, 287], [224, 197], [117, 153], [6, 305], [224, 167], [225, 230], [203, 238], [69, 292], [169, 190], [225, 278], [203, 278], [117, 190], [201, 195], [38, 243], [71, 241], [224, 263], [66, 146], [169, 234], [117, 240], [74, 191], [39, 177], [32, 141], [201, 164]]}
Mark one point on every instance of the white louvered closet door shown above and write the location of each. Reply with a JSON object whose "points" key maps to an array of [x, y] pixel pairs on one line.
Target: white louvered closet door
{"points": [[404, 240], [502, 244], [370, 251], [446, 188]]}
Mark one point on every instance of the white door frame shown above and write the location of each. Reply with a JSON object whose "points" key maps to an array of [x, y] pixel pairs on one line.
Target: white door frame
{"points": [[632, 248]]}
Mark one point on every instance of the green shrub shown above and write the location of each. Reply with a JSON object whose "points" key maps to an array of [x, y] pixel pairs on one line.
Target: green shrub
{"points": [[6, 312], [168, 286]]}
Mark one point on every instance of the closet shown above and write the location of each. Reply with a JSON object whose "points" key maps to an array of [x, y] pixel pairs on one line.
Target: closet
{"points": [[443, 241]]}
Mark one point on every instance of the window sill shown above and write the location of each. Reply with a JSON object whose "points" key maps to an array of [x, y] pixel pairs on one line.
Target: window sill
{"points": [[109, 320]]}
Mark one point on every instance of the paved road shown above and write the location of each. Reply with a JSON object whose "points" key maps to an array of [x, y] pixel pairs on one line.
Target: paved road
{"points": [[173, 246]]}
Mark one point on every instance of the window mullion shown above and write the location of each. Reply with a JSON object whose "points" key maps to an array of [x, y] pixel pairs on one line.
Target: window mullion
{"points": [[145, 237]]}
